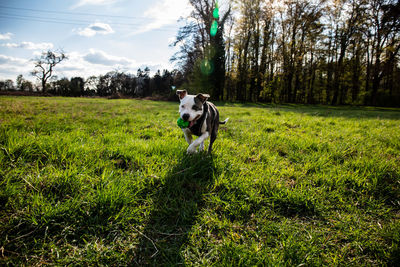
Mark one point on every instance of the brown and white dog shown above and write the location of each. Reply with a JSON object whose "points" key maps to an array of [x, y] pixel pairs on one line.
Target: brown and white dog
{"points": [[203, 118]]}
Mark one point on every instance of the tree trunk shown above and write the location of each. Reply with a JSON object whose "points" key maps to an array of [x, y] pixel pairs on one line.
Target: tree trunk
{"points": [[44, 86], [255, 66], [338, 76], [356, 75]]}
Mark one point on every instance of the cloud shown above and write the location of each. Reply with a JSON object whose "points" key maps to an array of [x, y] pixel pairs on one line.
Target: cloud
{"points": [[165, 12], [93, 3], [101, 58], [10, 67], [12, 60], [92, 62], [97, 62], [6, 36], [96, 28], [29, 45]]}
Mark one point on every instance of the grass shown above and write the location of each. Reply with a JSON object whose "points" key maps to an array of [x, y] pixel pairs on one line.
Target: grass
{"points": [[108, 182]]}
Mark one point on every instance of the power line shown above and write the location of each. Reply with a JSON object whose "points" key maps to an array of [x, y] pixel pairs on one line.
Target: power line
{"points": [[52, 21], [70, 21], [39, 20], [78, 13], [77, 21]]}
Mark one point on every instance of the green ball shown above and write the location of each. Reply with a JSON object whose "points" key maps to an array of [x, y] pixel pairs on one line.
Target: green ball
{"points": [[182, 123]]}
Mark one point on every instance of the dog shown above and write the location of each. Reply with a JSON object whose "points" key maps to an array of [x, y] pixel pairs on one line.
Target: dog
{"points": [[203, 118]]}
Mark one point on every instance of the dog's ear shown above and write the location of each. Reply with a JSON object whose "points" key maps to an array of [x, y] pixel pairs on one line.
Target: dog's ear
{"points": [[202, 97], [181, 93]]}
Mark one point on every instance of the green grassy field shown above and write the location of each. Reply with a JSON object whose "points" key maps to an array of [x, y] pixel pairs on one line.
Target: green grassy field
{"points": [[108, 182]]}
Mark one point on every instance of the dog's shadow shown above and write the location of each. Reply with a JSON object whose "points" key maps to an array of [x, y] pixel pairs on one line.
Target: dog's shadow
{"points": [[174, 210]]}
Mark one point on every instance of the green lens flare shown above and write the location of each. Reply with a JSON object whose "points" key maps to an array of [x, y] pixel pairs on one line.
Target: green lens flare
{"points": [[206, 67], [214, 28], [216, 13]]}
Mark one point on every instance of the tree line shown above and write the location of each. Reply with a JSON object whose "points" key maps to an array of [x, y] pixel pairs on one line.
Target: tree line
{"points": [[295, 51], [117, 83], [111, 84]]}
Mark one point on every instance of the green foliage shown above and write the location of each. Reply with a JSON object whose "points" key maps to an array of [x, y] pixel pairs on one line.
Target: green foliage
{"points": [[326, 52], [108, 182]]}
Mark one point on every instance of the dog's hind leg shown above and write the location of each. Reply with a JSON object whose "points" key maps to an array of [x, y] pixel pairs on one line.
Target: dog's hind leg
{"points": [[213, 137]]}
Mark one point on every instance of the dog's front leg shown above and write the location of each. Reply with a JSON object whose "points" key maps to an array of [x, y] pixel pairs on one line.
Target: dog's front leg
{"points": [[192, 147], [201, 147], [188, 136]]}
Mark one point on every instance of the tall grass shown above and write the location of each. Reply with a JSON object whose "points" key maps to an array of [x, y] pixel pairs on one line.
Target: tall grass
{"points": [[108, 182]]}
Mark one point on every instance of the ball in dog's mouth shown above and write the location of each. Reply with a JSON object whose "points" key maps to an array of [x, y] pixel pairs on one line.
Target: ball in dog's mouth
{"points": [[186, 124], [181, 123]]}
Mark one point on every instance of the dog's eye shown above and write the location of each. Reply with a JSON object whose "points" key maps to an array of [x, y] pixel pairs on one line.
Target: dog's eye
{"points": [[196, 108], [182, 106]]}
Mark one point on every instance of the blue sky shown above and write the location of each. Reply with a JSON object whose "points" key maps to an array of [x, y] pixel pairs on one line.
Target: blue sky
{"points": [[97, 35]]}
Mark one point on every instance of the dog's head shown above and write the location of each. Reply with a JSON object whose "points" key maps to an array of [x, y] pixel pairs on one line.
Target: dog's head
{"points": [[191, 106]]}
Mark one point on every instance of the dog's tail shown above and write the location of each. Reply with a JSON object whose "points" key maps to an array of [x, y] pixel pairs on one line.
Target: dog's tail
{"points": [[223, 122]]}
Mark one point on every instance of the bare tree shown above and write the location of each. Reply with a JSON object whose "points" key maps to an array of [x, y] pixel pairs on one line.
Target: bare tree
{"points": [[44, 65]]}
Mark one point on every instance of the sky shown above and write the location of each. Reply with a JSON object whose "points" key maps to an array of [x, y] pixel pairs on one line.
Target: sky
{"points": [[98, 36]]}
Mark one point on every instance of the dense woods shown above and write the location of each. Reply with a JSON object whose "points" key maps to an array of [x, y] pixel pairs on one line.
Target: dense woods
{"points": [[330, 52]]}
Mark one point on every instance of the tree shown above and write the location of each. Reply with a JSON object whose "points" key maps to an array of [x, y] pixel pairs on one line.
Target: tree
{"points": [[91, 85], [298, 51], [156, 83], [103, 85], [142, 87], [77, 86], [44, 65], [9, 85], [243, 46], [346, 24], [385, 31], [202, 54], [20, 80], [23, 84], [61, 87]]}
